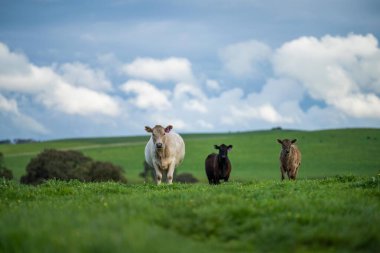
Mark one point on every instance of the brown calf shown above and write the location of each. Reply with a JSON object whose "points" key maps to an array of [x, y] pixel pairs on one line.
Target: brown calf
{"points": [[290, 158]]}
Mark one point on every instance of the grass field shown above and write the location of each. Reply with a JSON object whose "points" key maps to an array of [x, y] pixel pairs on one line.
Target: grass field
{"points": [[254, 156], [333, 207], [338, 214]]}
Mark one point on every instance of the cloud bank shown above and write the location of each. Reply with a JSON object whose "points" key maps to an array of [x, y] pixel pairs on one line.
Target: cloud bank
{"points": [[337, 77], [344, 72], [72, 92]]}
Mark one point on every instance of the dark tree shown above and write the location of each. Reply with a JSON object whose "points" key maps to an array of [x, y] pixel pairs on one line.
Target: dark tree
{"points": [[68, 165], [105, 171]]}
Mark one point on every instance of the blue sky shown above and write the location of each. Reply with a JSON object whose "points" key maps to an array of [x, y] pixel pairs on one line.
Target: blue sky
{"points": [[108, 68]]}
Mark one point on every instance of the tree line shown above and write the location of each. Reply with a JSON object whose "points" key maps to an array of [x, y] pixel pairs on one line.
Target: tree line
{"points": [[17, 141]]}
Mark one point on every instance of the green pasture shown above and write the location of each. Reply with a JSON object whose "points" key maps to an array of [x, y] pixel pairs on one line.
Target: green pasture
{"points": [[334, 206], [254, 155]]}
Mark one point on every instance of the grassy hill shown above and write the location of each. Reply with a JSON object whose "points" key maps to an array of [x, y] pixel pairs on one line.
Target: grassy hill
{"points": [[254, 156], [256, 212]]}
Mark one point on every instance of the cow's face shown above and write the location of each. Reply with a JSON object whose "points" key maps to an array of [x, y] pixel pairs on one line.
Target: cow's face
{"points": [[159, 135], [286, 145], [223, 150]]}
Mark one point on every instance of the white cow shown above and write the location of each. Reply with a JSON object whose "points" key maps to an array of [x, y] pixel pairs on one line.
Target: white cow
{"points": [[164, 151]]}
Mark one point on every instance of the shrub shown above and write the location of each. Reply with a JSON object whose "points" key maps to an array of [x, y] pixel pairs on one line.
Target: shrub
{"points": [[4, 172], [185, 178], [68, 165], [105, 171]]}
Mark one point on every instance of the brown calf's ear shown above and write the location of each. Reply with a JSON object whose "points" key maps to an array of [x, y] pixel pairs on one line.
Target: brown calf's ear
{"points": [[229, 147], [294, 140], [216, 147], [168, 128], [279, 141], [148, 129]]}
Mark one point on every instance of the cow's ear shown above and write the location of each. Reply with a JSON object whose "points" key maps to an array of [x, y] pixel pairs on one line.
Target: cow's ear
{"points": [[294, 140], [279, 141], [148, 129], [216, 147], [168, 128], [229, 148]]}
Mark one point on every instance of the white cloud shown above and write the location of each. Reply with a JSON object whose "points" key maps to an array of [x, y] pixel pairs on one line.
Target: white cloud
{"points": [[56, 92], [184, 91], [8, 105], [20, 120], [170, 69], [79, 100], [165, 118], [238, 110], [245, 58], [195, 105], [342, 71], [17, 74], [276, 91], [12, 63], [147, 95], [264, 112], [81, 75], [190, 97], [360, 105], [232, 109], [213, 85]]}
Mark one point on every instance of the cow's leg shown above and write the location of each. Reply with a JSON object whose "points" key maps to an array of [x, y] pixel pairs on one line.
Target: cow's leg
{"points": [[158, 174], [282, 173], [294, 173], [289, 173], [170, 173], [216, 176], [209, 177]]}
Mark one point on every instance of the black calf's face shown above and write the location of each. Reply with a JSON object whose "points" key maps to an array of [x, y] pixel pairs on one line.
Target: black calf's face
{"points": [[286, 145], [223, 150]]}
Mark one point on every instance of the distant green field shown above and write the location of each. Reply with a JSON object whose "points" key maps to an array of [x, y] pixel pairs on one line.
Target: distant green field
{"points": [[254, 156]]}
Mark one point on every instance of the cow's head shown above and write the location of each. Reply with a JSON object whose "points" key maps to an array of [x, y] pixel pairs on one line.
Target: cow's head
{"points": [[286, 145], [158, 135], [223, 150]]}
